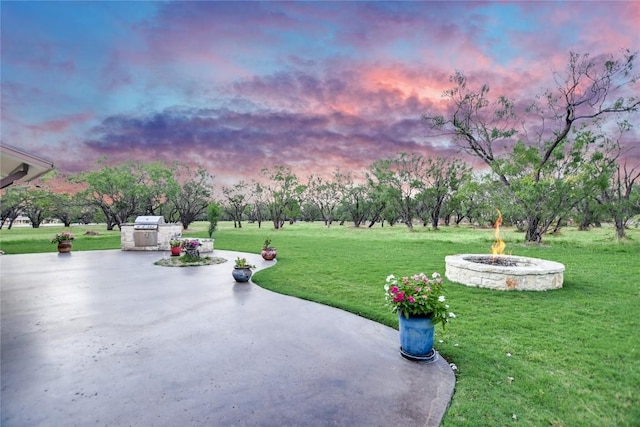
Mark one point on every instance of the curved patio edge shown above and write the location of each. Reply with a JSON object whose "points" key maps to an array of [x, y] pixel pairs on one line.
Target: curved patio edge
{"points": [[106, 336]]}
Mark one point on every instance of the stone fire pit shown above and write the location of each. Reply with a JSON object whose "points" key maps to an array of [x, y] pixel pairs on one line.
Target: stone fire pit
{"points": [[504, 272]]}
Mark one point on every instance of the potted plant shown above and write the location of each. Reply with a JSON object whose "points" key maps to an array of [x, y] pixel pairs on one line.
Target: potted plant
{"points": [[63, 239], [176, 247], [191, 246], [242, 270], [268, 251], [420, 305]]}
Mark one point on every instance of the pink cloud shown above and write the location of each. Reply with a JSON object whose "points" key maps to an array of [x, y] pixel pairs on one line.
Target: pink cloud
{"points": [[63, 124]]}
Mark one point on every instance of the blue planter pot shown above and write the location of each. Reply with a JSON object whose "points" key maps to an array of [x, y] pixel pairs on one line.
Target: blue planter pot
{"points": [[241, 274], [416, 338]]}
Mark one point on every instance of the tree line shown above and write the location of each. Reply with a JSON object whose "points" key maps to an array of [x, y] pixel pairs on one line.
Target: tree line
{"points": [[404, 189]]}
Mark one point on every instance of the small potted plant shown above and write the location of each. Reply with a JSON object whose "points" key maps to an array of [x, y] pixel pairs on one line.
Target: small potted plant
{"points": [[191, 246], [63, 239], [176, 247], [268, 251], [242, 270], [420, 305]]}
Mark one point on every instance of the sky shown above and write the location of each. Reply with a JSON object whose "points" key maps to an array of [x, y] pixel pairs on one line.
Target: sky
{"points": [[241, 86]]}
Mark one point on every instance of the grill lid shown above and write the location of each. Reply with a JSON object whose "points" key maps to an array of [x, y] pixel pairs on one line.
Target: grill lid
{"points": [[149, 220]]}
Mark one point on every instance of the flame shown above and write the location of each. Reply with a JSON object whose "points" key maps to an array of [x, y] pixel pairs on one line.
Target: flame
{"points": [[498, 247]]}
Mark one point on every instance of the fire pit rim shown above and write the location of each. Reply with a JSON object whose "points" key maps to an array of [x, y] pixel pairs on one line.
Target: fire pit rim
{"points": [[528, 265]]}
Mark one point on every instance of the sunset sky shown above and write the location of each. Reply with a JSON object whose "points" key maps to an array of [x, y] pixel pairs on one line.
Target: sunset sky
{"points": [[238, 86]]}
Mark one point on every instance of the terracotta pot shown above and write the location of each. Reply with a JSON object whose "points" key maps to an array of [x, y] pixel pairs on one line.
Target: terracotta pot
{"points": [[64, 246], [176, 250], [269, 253]]}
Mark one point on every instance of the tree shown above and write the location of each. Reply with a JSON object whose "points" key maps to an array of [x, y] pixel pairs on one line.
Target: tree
{"points": [[309, 212], [464, 202], [398, 180], [128, 189], [87, 212], [588, 89], [238, 199], [213, 214], [326, 195], [38, 205], [192, 197], [561, 184], [159, 183], [259, 210], [442, 180], [12, 201], [623, 203], [475, 200], [619, 180], [65, 208], [282, 193], [357, 203], [356, 200], [382, 205]]}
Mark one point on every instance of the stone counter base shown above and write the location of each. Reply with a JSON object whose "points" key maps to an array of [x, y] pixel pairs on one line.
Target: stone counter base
{"points": [[206, 245], [166, 232]]}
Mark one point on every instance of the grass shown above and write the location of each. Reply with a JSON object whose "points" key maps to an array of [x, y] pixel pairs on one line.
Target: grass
{"points": [[568, 357], [24, 240]]}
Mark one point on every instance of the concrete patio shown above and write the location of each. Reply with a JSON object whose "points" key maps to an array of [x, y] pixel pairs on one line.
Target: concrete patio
{"points": [[107, 338]]}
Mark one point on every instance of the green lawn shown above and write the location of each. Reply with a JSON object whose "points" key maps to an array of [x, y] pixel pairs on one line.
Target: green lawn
{"points": [[568, 357]]}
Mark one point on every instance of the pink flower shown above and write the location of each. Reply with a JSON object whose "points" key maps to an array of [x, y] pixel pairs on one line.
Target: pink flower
{"points": [[394, 290], [399, 297], [411, 299]]}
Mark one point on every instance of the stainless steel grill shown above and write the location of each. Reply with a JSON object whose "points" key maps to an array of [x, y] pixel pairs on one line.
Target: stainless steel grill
{"points": [[145, 230]]}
